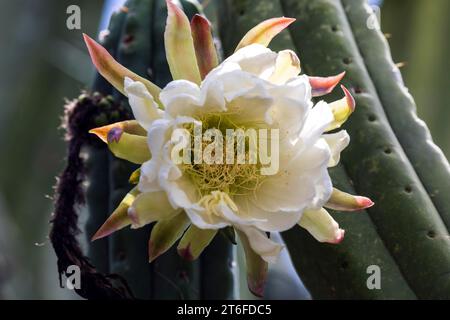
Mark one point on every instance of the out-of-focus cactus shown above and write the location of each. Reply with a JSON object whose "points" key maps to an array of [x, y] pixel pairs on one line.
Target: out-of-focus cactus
{"points": [[422, 49], [391, 158], [136, 39]]}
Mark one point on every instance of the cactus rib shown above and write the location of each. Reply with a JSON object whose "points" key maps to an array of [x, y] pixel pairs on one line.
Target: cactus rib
{"points": [[428, 161]]}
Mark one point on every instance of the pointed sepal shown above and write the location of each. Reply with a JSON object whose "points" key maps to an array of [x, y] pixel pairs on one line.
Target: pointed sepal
{"points": [[321, 86], [179, 45], [165, 233], [113, 71], [149, 207], [119, 218], [342, 109], [123, 141], [256, 267], [321, 225], [205, 50], [194, 241], [343, 201], [264, 32]]}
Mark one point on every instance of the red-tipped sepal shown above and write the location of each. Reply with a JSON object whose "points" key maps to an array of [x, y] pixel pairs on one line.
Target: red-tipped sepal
{"points": [[321, 86], [342, 109], [205, 50], [119, 218], [264, 32], [113, 71], [343, 201], [165, 233], [321, 225]]}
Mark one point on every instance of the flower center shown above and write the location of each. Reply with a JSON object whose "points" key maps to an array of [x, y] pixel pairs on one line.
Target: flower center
{"points": [[235, 178]]}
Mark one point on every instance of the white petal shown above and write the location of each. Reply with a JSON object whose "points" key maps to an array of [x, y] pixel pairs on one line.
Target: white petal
{"points": [[255, 59], [302, 180], [261, 244], [181, 98], [317, 121], [298, 88], [265, 220], [158, 134], [148, 181], [251, 107], [201, 219], [292, 103], [237, 84], [337, 142], [235, 217], [144, 107], [287, 66], [181, 192]]}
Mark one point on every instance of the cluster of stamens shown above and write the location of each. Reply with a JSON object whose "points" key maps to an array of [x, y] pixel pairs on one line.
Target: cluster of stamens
{"points": [[233, 178]]}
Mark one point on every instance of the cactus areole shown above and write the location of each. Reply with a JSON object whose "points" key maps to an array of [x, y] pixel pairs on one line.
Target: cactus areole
{"points": [[235, 144]]}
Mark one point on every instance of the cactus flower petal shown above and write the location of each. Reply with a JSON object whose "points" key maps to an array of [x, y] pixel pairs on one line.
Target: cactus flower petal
{"points": [[264, 32], [267, 249], [336, 142], [149, 207], [119, 218], [342, 109], [194, 241], [179, 45], [343, 201], [123, 145], [142, 103], [113, 71], [321, 225], [165, 233], [324, 85], [256, 267], [205, 50], [287, 66]]}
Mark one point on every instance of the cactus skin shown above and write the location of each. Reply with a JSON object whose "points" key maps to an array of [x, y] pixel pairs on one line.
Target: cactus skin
{"points": [[428, 161], [339, 271], [404, 233], [216, 265], [136, 41]]}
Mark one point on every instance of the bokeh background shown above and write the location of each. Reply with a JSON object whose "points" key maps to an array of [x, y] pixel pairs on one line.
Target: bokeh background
{"points": [[42, 62]]}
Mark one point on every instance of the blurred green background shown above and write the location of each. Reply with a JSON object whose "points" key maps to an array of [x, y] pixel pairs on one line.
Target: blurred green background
{"points": [[42, 62]]}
